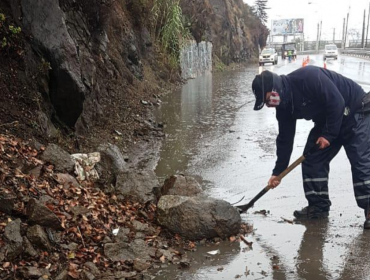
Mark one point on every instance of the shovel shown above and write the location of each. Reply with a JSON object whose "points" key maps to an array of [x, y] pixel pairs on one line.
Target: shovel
{"points": [[243, 208]]}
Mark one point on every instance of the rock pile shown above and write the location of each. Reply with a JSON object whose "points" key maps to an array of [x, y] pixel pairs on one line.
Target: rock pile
{"points": [[53, 226]]}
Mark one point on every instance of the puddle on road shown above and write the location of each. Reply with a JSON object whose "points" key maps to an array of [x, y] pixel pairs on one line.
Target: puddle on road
{"points": [[213, 134]]}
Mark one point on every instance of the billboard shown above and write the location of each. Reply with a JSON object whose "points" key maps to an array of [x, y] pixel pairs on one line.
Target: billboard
{"points": [[287, 26]]}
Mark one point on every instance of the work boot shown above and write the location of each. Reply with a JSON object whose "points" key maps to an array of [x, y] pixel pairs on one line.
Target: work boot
{"points": [[367, 221], [312, 212]]}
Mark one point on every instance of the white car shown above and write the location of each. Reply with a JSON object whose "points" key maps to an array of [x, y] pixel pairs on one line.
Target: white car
{"points": [[331, 51], [268, 55]]}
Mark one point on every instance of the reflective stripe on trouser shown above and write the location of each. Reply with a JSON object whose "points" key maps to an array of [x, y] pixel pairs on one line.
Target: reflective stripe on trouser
{"points": [[358, 153], [315, 172], [354, 136]]}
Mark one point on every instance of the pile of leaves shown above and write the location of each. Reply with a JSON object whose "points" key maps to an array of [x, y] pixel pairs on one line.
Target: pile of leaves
{"points": [[87, 215], [87, 219]]}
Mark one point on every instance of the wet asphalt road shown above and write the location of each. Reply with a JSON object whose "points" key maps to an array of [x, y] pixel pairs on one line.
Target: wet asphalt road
{"points": [[213, 133]]}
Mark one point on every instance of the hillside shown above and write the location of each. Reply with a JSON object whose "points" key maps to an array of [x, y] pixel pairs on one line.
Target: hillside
{"points": [[81, 73]]}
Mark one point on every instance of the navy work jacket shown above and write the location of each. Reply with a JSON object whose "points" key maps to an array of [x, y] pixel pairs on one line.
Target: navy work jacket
{"points": [[321, 95]]}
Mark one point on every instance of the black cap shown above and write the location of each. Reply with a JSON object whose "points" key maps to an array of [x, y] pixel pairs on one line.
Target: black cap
{"points": [[261, 84]]}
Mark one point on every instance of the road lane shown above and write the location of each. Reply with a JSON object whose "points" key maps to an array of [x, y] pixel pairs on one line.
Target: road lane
{"points": [[214, 134]]}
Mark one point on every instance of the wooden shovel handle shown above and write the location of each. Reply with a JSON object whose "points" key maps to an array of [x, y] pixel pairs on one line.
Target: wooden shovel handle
{"points": [[288, 169]]}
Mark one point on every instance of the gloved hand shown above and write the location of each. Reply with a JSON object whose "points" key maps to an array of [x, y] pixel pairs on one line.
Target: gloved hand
{"points": [[273, 182], [323, 143]]}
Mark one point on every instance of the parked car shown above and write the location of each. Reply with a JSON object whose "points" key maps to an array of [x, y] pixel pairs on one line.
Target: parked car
{"points": [[268, 55], [288, 49], [331, 51]]}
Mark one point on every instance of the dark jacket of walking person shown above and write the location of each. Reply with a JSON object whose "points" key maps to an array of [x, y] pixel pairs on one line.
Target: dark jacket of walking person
{"points": [[340, 110]]}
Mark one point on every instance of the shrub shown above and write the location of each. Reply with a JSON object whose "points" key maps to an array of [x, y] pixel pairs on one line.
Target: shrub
{"points": [[9, 36], [169, 27]]}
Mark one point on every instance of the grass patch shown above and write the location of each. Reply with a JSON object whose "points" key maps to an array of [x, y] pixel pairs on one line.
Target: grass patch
{"points": [[169, 28]]}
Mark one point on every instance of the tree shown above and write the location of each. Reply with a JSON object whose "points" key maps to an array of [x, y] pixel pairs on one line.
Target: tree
{"points": [[259, 10]]}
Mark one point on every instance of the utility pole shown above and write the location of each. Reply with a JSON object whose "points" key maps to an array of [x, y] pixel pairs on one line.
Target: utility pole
{"points": [[345, 38], [363, 31], [333, 35], [344, 27], [367, 29], [317, 37], [320, 33]]}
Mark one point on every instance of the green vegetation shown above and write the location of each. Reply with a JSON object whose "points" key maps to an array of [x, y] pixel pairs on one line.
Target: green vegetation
{"points": [[9, 35], [169, 28], [219, 66], [14, 30], [259, 10], [44, 66]]}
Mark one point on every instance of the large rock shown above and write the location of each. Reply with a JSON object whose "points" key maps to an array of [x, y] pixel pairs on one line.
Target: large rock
{"points": [[140, 265], [7, 203], [58, 157], [39, 214], [198, 217], [46, 22], [123, 235], [46, 126], [13, 231], [112, 158], [13, 248], [140, 186], [28, 248], [37, 236], [181, 185], [30, 272], [129, 251], [144, 228], [11, 251]]}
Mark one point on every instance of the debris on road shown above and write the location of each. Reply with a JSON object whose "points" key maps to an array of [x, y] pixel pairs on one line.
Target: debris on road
{"points": [[220, 269], [262, 212], [214, 252], [245, 241], [288, 221]]}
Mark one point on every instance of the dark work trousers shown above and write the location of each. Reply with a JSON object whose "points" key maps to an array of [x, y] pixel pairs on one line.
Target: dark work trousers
{"points": [[355, 138]]}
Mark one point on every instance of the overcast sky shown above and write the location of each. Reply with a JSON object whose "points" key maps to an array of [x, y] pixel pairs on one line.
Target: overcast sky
{"points": [[331, 12]]}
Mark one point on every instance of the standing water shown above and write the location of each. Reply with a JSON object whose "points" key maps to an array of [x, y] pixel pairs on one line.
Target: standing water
{"points": [[213, 134]]}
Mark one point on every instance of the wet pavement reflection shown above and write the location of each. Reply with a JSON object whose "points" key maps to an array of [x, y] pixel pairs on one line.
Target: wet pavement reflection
{"points": [[213, 133]]}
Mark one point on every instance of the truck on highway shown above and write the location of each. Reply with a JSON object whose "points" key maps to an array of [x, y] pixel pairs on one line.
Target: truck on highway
{"points": [[288, 49]]}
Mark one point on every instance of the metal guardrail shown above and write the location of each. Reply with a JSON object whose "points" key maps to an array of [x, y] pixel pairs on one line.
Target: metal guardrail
{"points": [[361, 53], [355, 52], [310, 52]]}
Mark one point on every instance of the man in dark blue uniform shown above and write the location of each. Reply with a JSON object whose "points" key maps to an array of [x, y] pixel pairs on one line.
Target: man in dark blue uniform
{"points": [[340, 110]]}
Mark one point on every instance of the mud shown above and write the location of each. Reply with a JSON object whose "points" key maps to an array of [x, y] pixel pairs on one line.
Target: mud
{"points": [[213, 133]]}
